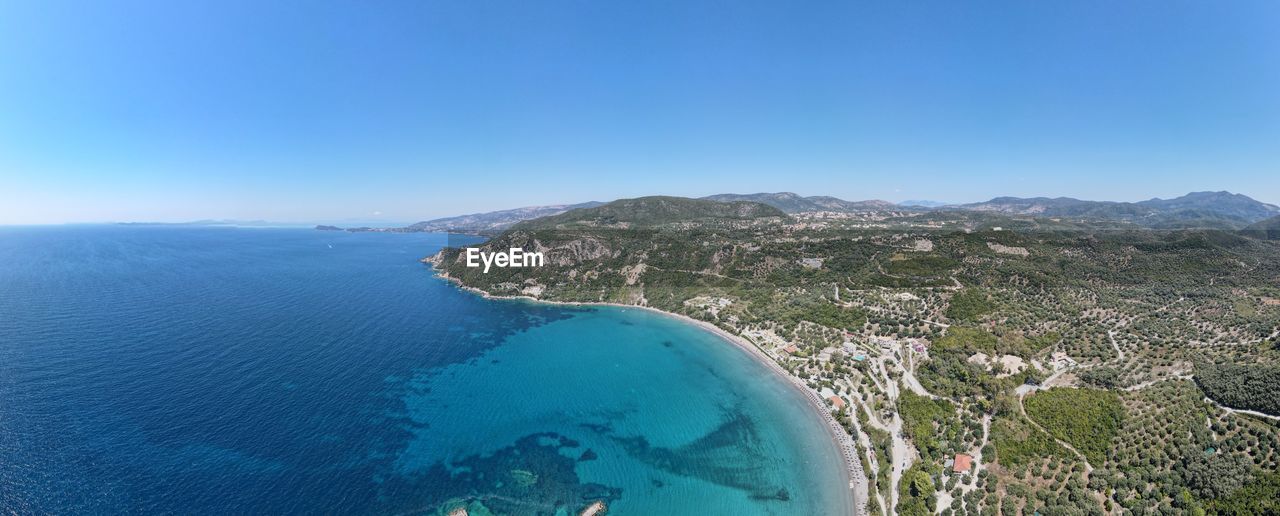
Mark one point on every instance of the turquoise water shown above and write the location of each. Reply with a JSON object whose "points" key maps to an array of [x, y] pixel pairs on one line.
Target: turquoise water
{"points": [[216, 370]]}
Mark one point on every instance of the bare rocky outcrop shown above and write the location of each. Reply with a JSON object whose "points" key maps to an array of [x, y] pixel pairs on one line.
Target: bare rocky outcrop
{"points": [[1004, 249], [632, 273], [577, 251]]}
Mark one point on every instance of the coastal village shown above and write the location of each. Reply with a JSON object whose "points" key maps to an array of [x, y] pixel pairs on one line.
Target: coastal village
{"points": [[859, 381]]}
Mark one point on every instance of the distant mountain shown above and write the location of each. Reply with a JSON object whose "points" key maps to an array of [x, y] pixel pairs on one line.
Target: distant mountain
{"points": [[917, 203], [1209, 210], [1198, 209], [495, 220], [1225, 204], [1057, 207], [651, 211], [833, 204], [793, 203], [1268, 229]]}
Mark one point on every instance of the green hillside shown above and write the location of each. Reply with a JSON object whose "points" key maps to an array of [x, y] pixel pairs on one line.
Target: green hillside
{"points": [[1268, 229], [653, 211]]}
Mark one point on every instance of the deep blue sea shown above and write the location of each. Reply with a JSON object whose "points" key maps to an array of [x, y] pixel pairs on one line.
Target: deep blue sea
{"points": [[184, 370]]}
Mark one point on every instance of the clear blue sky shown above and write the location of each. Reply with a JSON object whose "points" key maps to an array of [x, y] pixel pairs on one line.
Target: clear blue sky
{"points": [[306, 111]]}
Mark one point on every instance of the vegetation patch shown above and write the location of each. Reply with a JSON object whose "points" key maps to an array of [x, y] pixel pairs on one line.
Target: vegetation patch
{"points": [[968, 305], [1019, 444], [924, 266], [948, 371], [927, 421], [1087, 419], [915, 492], [1261, 496], [1102, 377], [1242, 386], [1166, 457], [970, 340], [822, 312]]}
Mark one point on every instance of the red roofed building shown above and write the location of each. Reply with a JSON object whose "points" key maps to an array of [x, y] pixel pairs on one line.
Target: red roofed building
{"points": [[963, 463], [836, 402]]}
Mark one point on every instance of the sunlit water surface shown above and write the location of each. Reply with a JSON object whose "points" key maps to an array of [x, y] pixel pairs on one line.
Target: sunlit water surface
{"points": [[232, 370]]}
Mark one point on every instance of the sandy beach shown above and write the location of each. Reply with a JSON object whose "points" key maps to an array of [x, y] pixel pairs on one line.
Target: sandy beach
{"points": [[855, 477]]}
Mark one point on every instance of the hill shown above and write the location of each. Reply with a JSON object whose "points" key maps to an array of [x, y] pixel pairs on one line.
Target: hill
{"points": [[495, 220], [793, 203], [1225, 204], [1223, 210], [1268, 229], [653, 211]]}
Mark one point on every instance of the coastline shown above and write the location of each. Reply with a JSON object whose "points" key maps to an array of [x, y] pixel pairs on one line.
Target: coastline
{"points": [[855, 477]]}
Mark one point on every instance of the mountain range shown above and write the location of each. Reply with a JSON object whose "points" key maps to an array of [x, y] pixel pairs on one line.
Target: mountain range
{"points": [[495, 220], [1221, 210], [792, 203], [1197, 209]]}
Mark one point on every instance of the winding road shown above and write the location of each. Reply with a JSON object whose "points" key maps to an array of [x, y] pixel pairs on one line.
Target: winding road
{"points": [[1088, 468]]}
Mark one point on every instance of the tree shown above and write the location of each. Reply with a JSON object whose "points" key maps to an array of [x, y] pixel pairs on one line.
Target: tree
{"points": [[1214, 475]]}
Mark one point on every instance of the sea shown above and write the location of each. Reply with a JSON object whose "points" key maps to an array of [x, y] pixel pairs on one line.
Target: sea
{"points": [[225, 370]]}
